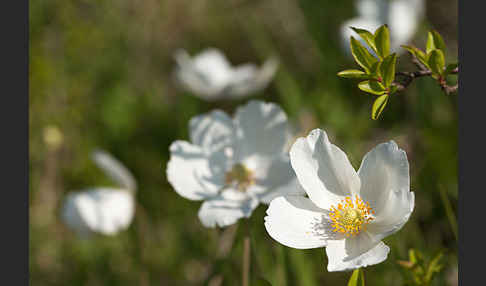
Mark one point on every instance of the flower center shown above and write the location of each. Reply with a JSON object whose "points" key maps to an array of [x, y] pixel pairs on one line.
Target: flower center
{"points": [[350, 217], [240, 176]]}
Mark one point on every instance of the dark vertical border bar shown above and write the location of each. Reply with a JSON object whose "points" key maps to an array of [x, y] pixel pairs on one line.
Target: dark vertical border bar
{"points": [[14, 120], [472, 143]]}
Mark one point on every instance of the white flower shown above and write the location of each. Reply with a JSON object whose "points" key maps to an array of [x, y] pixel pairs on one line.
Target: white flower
{"points": [[210, 76], [233, 164], [102, 210], [402, 16], [347, 212]]}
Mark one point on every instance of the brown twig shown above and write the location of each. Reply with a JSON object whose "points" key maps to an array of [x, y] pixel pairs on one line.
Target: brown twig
{"points": [[423, 71], [410, 76]]}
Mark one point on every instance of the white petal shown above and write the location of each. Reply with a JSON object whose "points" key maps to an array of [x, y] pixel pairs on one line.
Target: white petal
{"points": [[323, 170], [189, 173], [193, 79], [274, 177], [404, 18], [214, 65], [114, 169], [103, 210], [336, 254], [385, 184], [396, 213], [79, 213], [372, 9], [226, 209], [262, 129], [247, 79], [212, 132], [359, 244], [296, 222]]}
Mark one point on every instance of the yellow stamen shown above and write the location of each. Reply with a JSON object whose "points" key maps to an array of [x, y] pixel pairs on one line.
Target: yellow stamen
{"points": [[240, 176], [350, 217]]}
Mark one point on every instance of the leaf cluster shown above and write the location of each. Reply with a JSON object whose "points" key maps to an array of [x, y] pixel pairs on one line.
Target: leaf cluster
{"points": [[378, 72], [433, 58], [420, 272]]}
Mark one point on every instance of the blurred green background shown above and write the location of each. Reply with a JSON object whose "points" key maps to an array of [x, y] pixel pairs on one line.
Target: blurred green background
{"points": [[101, 72]]}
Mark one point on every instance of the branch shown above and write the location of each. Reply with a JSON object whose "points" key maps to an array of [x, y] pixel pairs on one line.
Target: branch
{"points": [[410, 76]]}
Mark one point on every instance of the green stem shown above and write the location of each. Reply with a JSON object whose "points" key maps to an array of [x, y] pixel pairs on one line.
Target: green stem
{"points": [[246, 257]]}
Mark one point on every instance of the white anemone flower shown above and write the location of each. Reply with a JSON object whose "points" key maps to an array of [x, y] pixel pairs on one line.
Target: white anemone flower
{"points": [[233, 164], [210, 76], [347, 212], [402, 16], [104, 210]]}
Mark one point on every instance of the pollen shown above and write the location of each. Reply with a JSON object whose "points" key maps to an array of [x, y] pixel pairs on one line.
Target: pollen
{"points": [[240, 177], [350, 216]]}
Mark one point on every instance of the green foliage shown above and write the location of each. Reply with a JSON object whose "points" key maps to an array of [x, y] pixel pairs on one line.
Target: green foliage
{"points": [[434, 56], [367, 36], [357, 278], [379, 70], [378, 106], [436, 62], [388, 69], [353, 74], [372, 86], [361, 55], [420, 272], [382, 41], [434, 42]]}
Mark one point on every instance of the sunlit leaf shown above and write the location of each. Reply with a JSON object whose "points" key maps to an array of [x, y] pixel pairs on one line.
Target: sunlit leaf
{"points": [[362, 55], [382, 41], [434, 41], [419, 54], [388, 69], [353, 74], [367, 36], [372, 86], [378, 106], [436, 61]]}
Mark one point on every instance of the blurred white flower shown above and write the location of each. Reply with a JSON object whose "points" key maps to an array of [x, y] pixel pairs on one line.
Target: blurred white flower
{"points": [[403, 18], [347, 212], [210, 76], [102, 210], [233, 164]]}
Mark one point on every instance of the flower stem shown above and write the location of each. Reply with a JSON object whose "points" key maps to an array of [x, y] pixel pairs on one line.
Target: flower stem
{"points": [[246, 260]]}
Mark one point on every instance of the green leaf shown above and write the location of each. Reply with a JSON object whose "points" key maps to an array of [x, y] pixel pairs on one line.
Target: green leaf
{"points": [[436, 61], [388, 69], [357, 278], [419, 54], [378, 106], [393, 89], [450, 68], [434, 41], [353, 74], [372, 86], [434, 267], [367, 36], [375, 71], [382, 41], [362, 55]]}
